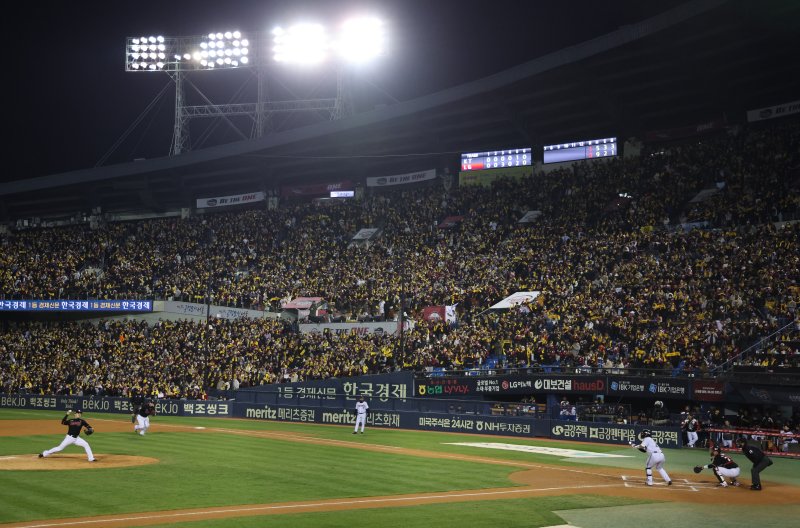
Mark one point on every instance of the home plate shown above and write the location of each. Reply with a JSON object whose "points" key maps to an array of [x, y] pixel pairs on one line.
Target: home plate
{"points": [[199, 427]]}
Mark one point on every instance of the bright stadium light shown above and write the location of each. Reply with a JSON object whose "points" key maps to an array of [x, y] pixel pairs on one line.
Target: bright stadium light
{"points": [[300, 44], [360, 39], [174, 54]]}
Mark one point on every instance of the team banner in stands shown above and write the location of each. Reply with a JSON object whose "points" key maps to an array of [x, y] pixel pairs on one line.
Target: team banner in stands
{"points": [[771, 112], [402, 179], [446, 313], [76, 306], [366, 233], [234, 199], [91, 404], [515, 300], [365, 328], [673, 388], [318, 189]]}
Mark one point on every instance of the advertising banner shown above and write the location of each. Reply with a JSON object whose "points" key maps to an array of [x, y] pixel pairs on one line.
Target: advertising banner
{"points": [[234, 199], [318, 189], [402, 179], [115, 405], [59, 305], [674, 388], [612, 433], [708, 390], [339, 392], [772, 395], [520, 384], [685, 131], [474, 424], [284, 413]]}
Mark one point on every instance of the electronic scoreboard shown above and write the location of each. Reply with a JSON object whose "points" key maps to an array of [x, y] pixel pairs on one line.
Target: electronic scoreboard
{"points": [[495, 159], [579, 150]]}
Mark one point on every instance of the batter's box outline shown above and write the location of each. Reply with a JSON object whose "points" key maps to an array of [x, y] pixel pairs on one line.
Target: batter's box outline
{"points": [[677, 484]]}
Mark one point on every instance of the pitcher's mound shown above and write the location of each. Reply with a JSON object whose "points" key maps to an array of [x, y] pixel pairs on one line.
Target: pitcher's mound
{"points": [[60, 461]]}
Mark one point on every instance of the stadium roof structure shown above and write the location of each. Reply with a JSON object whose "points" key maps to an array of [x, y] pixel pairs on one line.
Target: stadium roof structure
{"points": [[704, 60]]}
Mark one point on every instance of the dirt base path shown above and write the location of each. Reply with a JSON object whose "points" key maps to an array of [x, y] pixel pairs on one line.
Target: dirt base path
{"points": [[536, 480]]}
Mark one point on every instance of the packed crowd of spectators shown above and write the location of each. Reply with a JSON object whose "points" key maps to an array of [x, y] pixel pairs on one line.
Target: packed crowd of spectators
{"points": [[623, 284]]}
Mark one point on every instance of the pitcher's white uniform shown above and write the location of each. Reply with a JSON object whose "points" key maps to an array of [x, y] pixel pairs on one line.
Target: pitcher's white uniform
{"points": [[361, 414], [655, 458], [76, 424]]}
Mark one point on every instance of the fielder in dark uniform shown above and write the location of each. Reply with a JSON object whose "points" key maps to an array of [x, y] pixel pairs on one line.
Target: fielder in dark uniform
{"points": [[75, 423], [143, 418], [136, 401], [758, 458]]}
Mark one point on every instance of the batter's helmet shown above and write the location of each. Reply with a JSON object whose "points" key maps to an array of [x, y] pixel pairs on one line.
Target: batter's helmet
{"points": [[644, 434]]}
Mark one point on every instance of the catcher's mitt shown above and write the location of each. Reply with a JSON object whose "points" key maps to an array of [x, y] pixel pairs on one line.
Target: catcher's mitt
{"points": [[698, 469], [89, 431]]}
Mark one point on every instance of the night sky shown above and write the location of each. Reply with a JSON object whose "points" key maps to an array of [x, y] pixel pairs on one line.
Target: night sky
{"points": [[71, 100]]}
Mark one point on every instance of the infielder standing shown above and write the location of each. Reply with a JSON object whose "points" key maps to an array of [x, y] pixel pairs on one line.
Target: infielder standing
{"points": [[75, 424], [143, 418], [361, 414], [655, 457]]}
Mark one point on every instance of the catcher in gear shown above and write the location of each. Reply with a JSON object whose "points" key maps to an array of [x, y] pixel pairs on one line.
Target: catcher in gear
{"points": [[722, 466], [655, 457], [75, 423]]}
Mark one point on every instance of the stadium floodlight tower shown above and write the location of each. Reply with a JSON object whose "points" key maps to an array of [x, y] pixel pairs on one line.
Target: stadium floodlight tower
{"points": [[358, 40], [300, 44]]}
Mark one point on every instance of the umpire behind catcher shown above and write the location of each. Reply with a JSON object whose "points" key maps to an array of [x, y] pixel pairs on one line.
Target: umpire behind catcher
{"points": [[758, 458]]}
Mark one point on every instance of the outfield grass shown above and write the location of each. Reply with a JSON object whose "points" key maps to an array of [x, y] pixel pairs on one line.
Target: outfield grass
{"points": [[218, 469], [518, 513]]}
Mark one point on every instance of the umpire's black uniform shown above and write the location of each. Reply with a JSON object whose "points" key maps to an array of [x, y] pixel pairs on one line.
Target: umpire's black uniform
{"points": [[760, 462]]}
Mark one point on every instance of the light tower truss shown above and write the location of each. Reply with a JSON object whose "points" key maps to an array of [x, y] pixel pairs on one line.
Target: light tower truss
{"points": [[180, 57]]}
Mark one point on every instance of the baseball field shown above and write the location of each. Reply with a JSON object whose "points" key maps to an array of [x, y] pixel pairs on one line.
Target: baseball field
{"points": [[232, 473]]}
